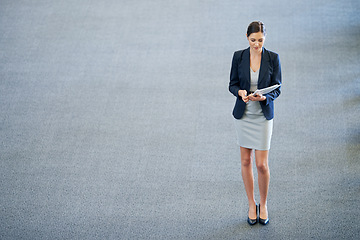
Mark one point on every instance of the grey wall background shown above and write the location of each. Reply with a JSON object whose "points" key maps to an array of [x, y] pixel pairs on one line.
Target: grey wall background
{"points": [[115, 120]]}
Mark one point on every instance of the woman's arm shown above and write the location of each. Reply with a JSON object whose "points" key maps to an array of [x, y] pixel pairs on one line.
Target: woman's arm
{"points": [[234, 85], [275, 79]]}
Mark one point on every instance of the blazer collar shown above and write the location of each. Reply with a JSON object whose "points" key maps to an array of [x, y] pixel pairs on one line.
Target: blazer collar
{"points": [[264, 65], [246, 65]]}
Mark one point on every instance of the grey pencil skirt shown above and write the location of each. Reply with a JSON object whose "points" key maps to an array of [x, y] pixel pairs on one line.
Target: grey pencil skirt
{"points": [[253, 130]]}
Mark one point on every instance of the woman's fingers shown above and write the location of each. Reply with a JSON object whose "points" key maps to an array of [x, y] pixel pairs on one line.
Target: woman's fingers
{"points": [[242, 93], [256, 98]]}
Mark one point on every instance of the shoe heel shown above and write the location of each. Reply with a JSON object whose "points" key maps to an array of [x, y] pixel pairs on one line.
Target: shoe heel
{"points": [[263, 221], [253, 221]]}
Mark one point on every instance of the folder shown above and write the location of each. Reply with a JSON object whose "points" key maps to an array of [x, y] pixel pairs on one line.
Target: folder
{"points": [[266, 90]]}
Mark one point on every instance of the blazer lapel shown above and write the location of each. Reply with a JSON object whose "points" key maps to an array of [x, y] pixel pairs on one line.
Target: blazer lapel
{"points": [[246, 66], [264, 66]]}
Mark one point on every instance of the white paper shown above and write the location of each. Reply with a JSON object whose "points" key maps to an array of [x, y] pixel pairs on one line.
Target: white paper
{"points": [[266, 90]]}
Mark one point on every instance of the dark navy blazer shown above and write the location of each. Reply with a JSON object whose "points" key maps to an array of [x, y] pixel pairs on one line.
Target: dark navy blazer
{"points": [[270, 74]]}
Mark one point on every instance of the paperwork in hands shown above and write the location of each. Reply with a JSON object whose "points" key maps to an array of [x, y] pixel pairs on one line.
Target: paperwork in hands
{"points": [[266, 90]]}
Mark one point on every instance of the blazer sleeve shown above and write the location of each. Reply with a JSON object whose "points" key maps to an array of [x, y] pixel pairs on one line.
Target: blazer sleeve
{"points": [[275, 79], [234, 85]]}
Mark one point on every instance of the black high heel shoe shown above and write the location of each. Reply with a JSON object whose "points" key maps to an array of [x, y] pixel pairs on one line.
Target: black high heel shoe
{"points": [[263, 221], [253, 221]]}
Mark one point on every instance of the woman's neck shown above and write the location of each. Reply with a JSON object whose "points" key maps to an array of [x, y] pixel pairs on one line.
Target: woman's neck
{"points": [[255, 54]]}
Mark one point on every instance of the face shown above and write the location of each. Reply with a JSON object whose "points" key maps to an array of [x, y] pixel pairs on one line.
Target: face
{"points": [[256, 41]]}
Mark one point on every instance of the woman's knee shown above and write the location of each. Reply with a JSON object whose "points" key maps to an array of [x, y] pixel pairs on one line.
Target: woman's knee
{"points": [[245, 161], [246, 156], [262, 167]]}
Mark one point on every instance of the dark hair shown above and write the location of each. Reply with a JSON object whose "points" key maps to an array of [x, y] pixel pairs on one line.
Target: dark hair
{"points": [[255, 27]]}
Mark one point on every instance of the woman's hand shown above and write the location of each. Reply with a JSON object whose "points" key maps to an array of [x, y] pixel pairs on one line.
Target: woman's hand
{"points": [[242, 94], [257, 97]]}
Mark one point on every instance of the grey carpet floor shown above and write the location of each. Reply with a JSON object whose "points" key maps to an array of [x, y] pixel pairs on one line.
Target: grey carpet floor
{"points": [[115, 120]]}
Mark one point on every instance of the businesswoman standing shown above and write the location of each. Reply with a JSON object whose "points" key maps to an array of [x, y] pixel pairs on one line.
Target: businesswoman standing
{"points": [[255, 68]]}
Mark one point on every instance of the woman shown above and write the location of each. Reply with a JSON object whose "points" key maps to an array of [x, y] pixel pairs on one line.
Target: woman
{"points": [[255, 68]]}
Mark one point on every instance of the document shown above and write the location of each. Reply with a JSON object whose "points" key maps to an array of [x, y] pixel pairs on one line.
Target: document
{"points": [[266, 90]]}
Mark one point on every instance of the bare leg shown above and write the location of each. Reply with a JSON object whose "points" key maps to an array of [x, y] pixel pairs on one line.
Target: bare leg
{"points": [[248, 179], [263, 180]]}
